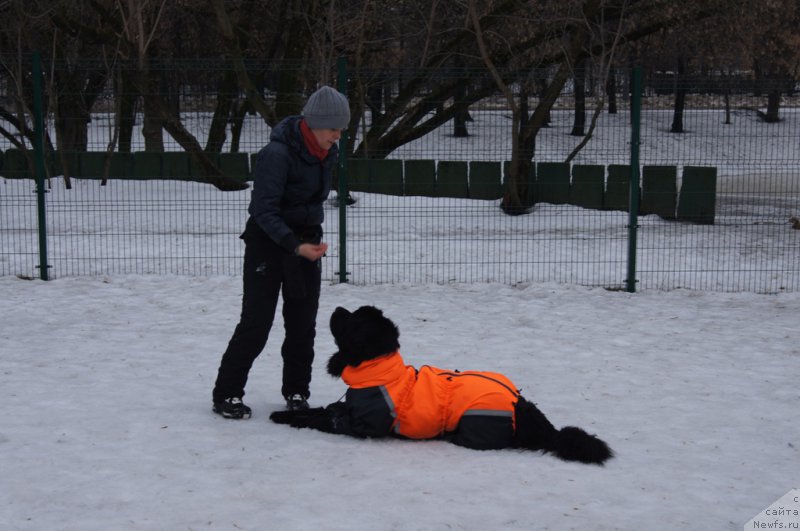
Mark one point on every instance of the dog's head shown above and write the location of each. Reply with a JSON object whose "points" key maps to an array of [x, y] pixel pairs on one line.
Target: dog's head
{"points": [[361, 335]]}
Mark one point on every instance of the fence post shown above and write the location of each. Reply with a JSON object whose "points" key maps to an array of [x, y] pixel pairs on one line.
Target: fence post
{"points": [[38, 155], [633, 211], [342, 191]]}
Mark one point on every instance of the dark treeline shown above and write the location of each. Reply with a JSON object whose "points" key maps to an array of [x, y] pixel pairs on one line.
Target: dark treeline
{"points": [[414, 65]]}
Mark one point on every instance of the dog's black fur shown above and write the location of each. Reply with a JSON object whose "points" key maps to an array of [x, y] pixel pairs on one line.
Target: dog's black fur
{"points": [[367, 334]]}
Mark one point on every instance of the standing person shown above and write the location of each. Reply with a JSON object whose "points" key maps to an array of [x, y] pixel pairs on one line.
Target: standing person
{"points": [[283, 247]]}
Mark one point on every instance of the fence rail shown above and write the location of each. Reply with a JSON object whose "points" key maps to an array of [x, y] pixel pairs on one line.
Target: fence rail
{"points": [[718, 208]]}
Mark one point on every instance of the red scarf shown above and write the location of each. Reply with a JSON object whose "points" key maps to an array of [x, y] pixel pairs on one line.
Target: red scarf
{"points": [[311, 142]]}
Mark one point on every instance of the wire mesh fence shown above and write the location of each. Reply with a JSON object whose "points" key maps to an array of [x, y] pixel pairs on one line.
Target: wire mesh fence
{"points": [[429, 210], [751, 245]]}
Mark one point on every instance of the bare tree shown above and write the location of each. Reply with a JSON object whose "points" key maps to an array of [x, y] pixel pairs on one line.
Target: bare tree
{"points": [[131, 29], [414, 65], [517, 37], [609, 42], [579, 90], [71, 91], [776, 48]]}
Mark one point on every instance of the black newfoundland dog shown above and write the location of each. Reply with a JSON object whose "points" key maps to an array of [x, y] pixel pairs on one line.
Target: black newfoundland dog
{"points": [[481, 410]]}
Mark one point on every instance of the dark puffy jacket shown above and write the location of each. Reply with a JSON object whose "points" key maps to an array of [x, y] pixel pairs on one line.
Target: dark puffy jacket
{"points": [[290, 185]]}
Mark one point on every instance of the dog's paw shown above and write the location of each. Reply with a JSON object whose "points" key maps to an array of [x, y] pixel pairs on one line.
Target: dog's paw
{"points": [[297, 418], [282, 417]]}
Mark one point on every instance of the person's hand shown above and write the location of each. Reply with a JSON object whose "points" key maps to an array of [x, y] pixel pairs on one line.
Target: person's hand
{"points": [[311, 251]]}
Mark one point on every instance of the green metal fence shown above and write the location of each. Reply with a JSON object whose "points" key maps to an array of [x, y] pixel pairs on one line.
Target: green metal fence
{"points": [[713, 209]]}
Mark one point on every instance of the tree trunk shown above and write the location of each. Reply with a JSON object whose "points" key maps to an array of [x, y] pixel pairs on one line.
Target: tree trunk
{"points": [[170, 81], [462, 114], [541, 82], [237, 123], [71, 133], [773, 106], [516, 197], [227, 91], [727, 106], [152, 125], [677, 116], [579, 122], [290, 99], [374, 99], [518, 200], [71, 121], [126, 111], [611, 91], [524, 105], [460, 125], [680, 97], [75, 92]]}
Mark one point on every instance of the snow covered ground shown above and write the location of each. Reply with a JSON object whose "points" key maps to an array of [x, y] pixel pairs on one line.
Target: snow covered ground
{"points": [[107, 421]]}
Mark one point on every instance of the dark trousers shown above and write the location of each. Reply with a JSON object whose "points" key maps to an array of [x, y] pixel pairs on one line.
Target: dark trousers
{"points": [[268, 272]]}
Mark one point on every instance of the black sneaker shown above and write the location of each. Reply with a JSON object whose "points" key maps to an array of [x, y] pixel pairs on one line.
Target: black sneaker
{"points": [[232, 408], [296, 402]]}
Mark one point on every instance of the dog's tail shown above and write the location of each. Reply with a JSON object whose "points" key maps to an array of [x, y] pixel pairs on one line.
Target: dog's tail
{"points": [[534, 432]]}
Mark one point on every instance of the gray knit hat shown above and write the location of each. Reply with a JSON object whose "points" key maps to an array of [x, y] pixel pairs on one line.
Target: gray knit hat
{"points": [[327, 108]]}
